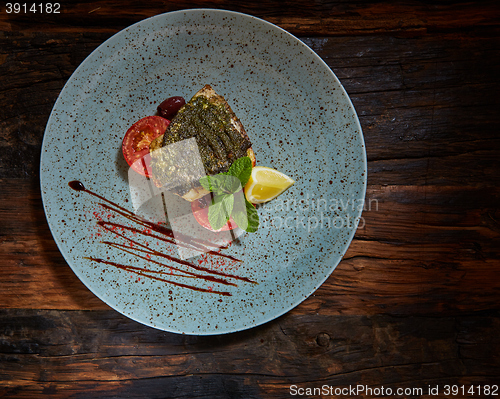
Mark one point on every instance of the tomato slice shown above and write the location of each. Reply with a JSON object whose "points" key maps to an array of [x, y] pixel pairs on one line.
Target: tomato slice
{"points": [[137, 140], [199, 208]]}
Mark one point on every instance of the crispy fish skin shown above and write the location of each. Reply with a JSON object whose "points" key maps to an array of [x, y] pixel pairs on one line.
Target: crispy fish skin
{"points": [[220, 136]]}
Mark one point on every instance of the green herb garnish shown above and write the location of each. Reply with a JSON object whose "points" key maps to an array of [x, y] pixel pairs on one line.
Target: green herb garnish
{"points": [[228, 199]]}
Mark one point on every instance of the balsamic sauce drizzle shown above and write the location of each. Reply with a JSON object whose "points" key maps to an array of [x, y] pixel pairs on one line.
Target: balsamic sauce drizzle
{"points": [[163, 234], [144, 272], [184, 273], [166, 232]]}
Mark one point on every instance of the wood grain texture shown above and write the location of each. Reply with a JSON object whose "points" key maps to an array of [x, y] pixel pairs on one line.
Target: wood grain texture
{"points": [[414, 302], [298, 17], [101, 354]]}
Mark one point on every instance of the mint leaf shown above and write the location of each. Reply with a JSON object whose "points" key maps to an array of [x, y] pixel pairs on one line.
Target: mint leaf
{"points": [[206, 183], [228, 184], [244, 214], [220, 210], [252, 216], [220, 184], [229, 198], [242, 169], [239, 210]]}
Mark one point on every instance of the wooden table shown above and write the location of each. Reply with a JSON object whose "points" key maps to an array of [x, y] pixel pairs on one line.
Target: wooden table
{"points": [[415, 301]]}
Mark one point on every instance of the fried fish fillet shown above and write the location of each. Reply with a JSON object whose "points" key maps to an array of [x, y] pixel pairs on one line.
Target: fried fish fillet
{"points": [[220, 138]]}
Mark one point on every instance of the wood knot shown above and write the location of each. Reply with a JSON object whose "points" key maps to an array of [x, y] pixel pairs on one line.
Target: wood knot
{"points": [[323, 339]]}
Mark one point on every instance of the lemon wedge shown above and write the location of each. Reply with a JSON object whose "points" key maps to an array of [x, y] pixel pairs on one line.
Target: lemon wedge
{"points": [[265, 184]]}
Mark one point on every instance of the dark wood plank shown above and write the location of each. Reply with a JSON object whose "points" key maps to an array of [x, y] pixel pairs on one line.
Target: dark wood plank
{"points": [[298, 17], [105, 354], [423, 110], [33, 71]]}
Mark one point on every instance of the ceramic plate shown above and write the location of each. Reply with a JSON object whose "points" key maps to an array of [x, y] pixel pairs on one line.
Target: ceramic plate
{"points": [[300, 121]]}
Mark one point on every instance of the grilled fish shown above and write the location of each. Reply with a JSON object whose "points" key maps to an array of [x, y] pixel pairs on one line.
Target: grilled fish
{"points": [[220, 139]]}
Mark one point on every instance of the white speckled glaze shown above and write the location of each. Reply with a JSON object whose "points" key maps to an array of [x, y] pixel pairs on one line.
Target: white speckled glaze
{"points": [[299, 119]]}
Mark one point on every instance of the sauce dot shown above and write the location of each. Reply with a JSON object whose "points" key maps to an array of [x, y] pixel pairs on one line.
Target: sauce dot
{"points": [[76, 185]]}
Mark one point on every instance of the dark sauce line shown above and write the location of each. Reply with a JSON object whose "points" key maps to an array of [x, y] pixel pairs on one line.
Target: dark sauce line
{"points": [[141, 273], [180, 261], [156, 228], [168, 240], [144, 269], [136, 230], [186, 273], [78, 186], [204, 245]]}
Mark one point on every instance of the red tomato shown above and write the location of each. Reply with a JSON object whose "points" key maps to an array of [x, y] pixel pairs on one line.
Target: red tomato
{"points": [[199, 208], [137, 140]]}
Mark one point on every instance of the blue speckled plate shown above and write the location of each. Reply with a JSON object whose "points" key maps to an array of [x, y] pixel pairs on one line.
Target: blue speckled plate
{"points": [[300, 121]]}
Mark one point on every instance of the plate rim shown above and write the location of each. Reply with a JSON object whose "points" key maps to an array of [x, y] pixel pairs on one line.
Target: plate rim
{"points": [[362, 192]]}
